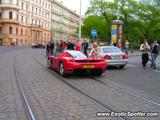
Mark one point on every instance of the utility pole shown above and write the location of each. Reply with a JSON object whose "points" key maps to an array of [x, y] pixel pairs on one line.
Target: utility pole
{"points": [[118, 14], [80, 21]]}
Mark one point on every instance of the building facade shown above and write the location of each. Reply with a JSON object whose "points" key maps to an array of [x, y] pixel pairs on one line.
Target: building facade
{"points": [[24, 22], [65, 22]]}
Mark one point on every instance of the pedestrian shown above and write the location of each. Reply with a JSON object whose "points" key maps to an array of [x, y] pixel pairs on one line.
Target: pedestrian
{"points": [[70, 45], [52, 47], [126, 46], [78, 46], [61, 46], [94, 51], [47, 49], [145, 49], [85, 47], [154, 53], [114, 44]]}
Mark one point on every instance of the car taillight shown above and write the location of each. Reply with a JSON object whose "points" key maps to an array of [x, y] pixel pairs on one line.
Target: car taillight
{"points": [[107, 57], [70, 60], [125, 56]]}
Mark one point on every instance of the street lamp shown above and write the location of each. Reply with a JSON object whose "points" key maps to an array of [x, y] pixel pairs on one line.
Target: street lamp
{"points": [[80, 21], [118, 11]]}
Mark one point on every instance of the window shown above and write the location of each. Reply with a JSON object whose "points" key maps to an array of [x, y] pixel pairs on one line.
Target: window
{"points": [[0, 29], [17, 16], [10, 30], [39, 11], [0, 15], [26, 20], [10, 15], [16, 31], [10, 1], [48, 6], [26, 32], [22, 5], [21, 31], [32, 9], [22, 19], [0, 38], [26, 7]]}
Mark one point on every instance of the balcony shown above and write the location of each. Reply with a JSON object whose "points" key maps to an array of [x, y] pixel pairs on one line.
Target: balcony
{"points": [[7, 35], [9, 5], [7, 20]]}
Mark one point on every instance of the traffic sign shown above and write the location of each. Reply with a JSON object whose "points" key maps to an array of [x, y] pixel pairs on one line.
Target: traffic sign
{"points": [[94, 32]]}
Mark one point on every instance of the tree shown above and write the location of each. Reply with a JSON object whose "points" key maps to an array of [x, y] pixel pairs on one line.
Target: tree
{"points": [[94, 22], [140, 20]]}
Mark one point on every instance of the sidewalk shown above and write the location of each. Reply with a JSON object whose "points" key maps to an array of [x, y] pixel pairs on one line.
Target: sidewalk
{"points": [[134, 53]]}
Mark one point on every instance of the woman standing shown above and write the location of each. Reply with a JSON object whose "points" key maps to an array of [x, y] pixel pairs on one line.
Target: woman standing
{"points": [[94, 51], [145, 49]]}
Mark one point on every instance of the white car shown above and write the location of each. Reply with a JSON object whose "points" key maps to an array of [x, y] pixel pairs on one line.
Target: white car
{"points": [[113, 56]]}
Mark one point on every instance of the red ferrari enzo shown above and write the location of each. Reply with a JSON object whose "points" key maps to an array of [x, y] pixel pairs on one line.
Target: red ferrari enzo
{"points": [[70, 61]]}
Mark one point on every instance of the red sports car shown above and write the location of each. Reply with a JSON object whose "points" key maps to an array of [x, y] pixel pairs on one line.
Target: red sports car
{"points": [[70, 61]]}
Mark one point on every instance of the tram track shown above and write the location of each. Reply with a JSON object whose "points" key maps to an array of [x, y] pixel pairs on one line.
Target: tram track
{"points": [[27, 104], [127, 92], [100, 104], [123, 90]]}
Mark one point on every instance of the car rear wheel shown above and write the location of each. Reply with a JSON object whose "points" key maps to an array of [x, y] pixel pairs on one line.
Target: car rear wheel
{"points": [[97, 73], [61, 69], [121, 66]]}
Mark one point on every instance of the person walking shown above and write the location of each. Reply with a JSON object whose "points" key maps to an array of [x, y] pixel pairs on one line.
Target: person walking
{"points": [[52, 47], [144, 48], [154, 53], [78, 46], [94, 51], [85, 47], [47, 49], [126, 46]]}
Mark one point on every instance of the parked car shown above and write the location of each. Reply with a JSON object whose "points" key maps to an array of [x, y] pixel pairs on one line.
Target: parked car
{"points": [[113, 56], [70, 61], [38, 45]]}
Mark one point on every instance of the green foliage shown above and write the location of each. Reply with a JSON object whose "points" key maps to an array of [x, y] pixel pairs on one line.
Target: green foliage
{"points": [[140, 20], [95, 22]]}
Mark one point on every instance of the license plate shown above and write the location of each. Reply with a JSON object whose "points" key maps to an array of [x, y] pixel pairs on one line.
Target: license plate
{"points": [[116, 57], [88, 66]]}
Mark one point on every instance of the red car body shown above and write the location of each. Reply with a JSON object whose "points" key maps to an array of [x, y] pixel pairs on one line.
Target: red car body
{"points": [[70, 61]]}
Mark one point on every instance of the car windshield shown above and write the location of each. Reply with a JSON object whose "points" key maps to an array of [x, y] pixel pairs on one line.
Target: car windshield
{"points": [[76, 54], [111, 50]]}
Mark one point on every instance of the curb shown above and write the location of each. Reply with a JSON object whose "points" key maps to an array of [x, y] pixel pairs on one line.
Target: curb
{"points": [[132, 55]]}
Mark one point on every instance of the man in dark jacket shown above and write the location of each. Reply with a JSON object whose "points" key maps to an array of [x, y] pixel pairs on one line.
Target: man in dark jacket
{"points": [[47, 49], [154, 53], [52, 47], [70, 45], [85, 47]]}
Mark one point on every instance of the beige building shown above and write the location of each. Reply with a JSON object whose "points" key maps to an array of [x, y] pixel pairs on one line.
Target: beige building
{"points": [[24, 22], [65, 22]]}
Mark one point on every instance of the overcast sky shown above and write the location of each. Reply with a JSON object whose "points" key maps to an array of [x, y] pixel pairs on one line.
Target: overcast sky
{"points": [[75, 5]]}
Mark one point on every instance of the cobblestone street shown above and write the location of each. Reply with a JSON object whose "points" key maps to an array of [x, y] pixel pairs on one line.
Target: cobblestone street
{"points": [[51, 99]]}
